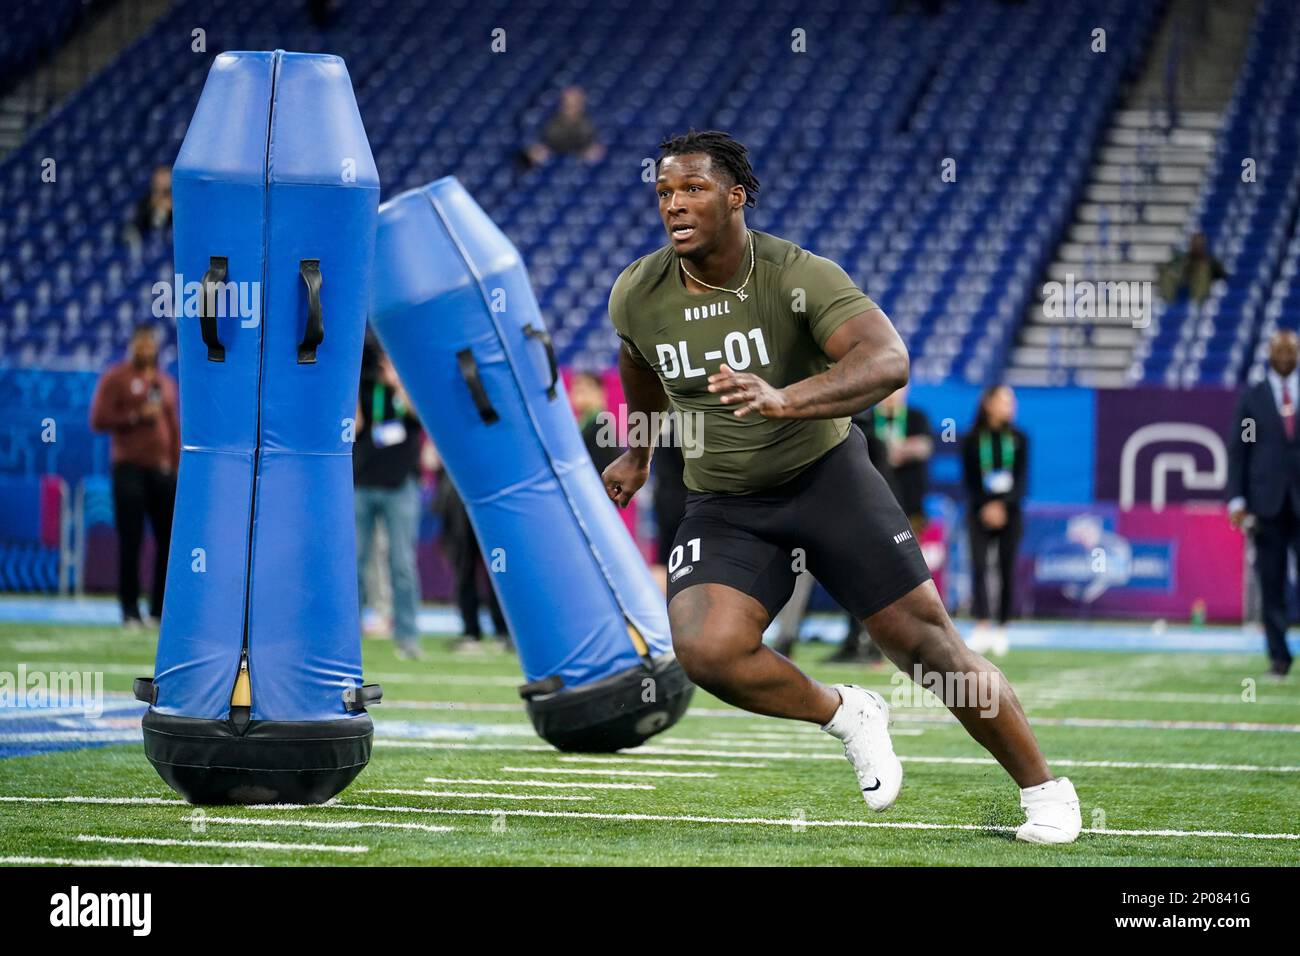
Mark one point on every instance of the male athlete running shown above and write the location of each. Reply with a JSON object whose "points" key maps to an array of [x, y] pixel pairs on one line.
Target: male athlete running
{"points": [[776, 348]]}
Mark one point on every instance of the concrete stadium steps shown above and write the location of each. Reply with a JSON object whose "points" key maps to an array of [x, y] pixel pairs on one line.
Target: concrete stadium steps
{"points": [[1141, 192], [1131, 220], [1102, 271], [1059, 377], [1101, 336], [1093, 233]]}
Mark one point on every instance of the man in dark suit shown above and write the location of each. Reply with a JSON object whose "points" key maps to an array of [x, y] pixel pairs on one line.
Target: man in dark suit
{"points": [[1264, 483]]}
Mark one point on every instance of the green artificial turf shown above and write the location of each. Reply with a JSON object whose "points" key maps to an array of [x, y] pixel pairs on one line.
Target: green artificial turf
{"points": [[761, 791]]}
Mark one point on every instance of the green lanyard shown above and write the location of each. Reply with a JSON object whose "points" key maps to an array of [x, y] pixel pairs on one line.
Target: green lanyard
{"points": [[377, 404], [897, 422], [1008, 450]]}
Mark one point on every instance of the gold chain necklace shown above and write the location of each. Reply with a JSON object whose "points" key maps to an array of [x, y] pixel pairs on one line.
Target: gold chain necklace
{"points": [[738, 293]]}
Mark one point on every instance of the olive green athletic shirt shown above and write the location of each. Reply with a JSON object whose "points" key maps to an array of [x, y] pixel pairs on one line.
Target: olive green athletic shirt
{"points": [[794, 301]]}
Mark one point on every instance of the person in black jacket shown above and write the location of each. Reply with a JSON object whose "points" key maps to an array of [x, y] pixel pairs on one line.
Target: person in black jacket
{"points": [[995, 460], [386, 476], [1264, 484]]}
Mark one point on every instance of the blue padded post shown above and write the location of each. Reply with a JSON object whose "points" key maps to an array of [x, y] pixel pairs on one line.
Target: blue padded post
{"points": [[453, 306], [257, 694]]}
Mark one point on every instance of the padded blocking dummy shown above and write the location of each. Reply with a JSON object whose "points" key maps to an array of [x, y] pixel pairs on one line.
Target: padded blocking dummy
{"points": [[257, 694], [452, 305]]}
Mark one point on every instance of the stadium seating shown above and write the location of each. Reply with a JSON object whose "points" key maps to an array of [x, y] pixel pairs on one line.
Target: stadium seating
{"points": [[1248, 223], [849, 144], [33, 30]]}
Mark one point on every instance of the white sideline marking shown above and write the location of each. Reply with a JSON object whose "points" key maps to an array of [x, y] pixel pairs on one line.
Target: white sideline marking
{"points": [[666, 762], [136, 670], [99, 861], [564, 784], [797, 821], [463, 680], [1113, 723], [472, 706], [657, 752], [983, 761], [454, 745], [126, 801], [320, 824], [481, 795], [1154, 697], [73, 737], [607, 773], [917, 715], [226, 844]]}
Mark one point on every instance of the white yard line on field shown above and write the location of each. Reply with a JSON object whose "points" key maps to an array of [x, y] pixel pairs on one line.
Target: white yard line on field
{"points": [[98, 861], [116, 801], [560, 784], [226, 844], [795, 822], [729, 755], [607, 773], [989, 761], [481, 795], [664, 762], [317, 824], [458, 680], [72, 737]]}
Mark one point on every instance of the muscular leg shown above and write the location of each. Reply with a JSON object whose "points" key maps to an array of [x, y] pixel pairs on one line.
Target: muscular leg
{"points": [[718, 638], [915, 630]]}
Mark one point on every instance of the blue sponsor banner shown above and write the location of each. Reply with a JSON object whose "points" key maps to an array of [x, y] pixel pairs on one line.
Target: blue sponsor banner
{"points": [[1085, 555]]}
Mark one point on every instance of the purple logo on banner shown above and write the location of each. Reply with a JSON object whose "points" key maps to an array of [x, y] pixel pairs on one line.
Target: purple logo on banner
{"points": [[1156, 446]]}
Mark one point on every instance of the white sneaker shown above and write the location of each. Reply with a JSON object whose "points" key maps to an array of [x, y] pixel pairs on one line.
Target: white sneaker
{"points": [[862, 724], [999, 643], [1052, 810], [981, 639]]}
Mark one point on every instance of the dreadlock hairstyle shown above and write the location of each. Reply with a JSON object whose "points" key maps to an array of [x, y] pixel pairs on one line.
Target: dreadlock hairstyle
{"points": [[726, 153]]}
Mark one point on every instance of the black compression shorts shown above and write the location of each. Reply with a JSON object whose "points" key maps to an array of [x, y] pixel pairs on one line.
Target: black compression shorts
{"points": [[837, 518]]}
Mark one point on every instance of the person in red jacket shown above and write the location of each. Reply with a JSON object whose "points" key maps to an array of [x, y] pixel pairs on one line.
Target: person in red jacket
{"points": [[136, 403]]}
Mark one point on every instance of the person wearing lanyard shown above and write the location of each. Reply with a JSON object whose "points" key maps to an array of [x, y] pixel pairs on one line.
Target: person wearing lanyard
{"points": [[386, 463], [906, 433], [994, 467]]}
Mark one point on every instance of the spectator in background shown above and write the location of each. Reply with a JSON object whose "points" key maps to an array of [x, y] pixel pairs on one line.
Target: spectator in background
{"points": [[386, 469], [136, 403], [1264, 484], [154, 210], [461, 546], [569, 132], [587, 396], [909, 443], [1195, 270], [995, 462]]}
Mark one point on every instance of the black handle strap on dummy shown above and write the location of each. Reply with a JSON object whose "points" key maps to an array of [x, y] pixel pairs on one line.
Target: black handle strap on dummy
{"points": [[469, 372], [309, 270], [533, 332], [207, 307]]}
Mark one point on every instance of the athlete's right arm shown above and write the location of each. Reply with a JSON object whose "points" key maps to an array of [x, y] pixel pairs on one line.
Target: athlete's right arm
{"points": [[644, 393]]}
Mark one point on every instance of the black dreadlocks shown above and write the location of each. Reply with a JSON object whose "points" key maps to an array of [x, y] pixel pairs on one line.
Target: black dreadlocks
{"points": [[727, 154]]}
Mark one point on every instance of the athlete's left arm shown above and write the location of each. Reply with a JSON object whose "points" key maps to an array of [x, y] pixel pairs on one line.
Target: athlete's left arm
{"points": [[870, 363]]}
